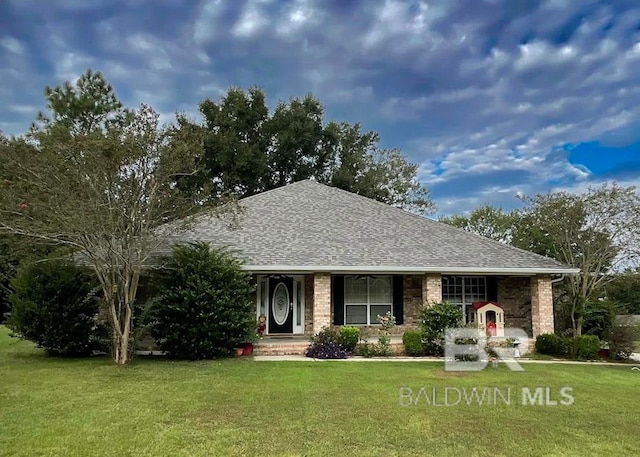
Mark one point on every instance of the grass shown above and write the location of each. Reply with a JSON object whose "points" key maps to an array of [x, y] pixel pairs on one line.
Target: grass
{"points": [[240, 407]]}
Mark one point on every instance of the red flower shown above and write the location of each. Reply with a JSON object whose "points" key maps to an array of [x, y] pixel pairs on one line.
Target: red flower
{"points": [[23, 205]]}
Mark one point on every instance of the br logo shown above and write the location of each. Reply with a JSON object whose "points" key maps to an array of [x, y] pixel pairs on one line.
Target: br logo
{"points": [[465, 349]]}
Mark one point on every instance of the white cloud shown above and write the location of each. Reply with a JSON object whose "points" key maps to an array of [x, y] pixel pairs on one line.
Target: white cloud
{"points": [[13, 45]]}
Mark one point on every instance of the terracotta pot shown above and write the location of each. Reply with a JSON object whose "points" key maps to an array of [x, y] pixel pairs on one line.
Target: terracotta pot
{"points": [[239, 352], [247, 349]]}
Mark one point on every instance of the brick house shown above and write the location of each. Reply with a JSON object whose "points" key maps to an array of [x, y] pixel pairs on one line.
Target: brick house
{"points": [[322, 256]]}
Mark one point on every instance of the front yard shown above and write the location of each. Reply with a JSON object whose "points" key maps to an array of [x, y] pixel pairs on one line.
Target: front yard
{"points": [[240, 407]]}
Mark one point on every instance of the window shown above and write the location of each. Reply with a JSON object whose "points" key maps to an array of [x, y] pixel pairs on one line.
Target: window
{"points": [[463, 291], [365, 297]]}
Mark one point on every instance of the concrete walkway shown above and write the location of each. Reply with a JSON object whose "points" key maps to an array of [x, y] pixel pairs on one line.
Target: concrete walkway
{"points": [[300, 358]]}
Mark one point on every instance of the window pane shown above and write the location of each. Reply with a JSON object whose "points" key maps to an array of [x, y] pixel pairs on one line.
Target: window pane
{"points": [[380, 290], [378, 310], [356, 314], [355, 290]]}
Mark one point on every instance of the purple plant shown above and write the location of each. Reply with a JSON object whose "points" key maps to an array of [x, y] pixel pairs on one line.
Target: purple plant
{"points": [[326, 350]]}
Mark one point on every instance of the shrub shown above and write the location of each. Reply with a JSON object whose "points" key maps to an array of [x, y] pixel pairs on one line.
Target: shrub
{"points": [[435, 320], [326, 335], [326, 350], [55, 305], [366, 349], [623, 340], [552, 344], [585, 347], [412, 341], [349, 337], [203, 308]]}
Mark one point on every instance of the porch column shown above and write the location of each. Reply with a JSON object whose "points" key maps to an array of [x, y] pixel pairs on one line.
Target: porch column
{"points": [[431, 289], [541, 305], [321, 301]]}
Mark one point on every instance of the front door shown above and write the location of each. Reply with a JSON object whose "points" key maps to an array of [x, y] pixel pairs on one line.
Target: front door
{"points": [[281, 305]]}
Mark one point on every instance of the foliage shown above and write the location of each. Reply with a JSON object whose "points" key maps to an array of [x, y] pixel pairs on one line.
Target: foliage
{"points": [[349, 337], [412, 341], [552, 344], [623, 341], [203, 309], [387, 322], [326, 335], [624, 291], [599, 317], [487, 221], [100, 178], [585, 347], [435, 320], [54, 304], [13, 251], [248, 150], [326, 350]]}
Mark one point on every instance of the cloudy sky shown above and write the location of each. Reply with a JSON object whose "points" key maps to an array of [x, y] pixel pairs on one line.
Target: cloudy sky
{"points": [[493, 98]]}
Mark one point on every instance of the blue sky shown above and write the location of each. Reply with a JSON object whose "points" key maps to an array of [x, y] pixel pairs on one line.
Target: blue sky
{"points": [[491, 98]]}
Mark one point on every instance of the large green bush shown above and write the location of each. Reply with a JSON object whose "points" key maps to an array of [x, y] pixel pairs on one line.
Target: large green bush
{"points": [[435, 320], [203, 308], [552, 344], [585, 347], [55, 305]]}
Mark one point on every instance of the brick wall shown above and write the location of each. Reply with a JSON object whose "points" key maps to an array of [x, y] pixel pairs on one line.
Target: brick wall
{"points": [[321, 301], [308, 305], [431, 289], [514, 295]]}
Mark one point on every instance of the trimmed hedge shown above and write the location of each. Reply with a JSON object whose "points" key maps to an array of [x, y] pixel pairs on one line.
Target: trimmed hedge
{"points": [[349, 337], [578, 347], [412, 341]]}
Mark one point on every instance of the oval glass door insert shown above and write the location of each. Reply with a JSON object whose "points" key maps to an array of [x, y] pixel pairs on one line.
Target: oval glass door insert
{"points": [[280, 304]]}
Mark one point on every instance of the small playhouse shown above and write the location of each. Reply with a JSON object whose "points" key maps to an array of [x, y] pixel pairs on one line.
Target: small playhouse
{"points": [[489, 317]]}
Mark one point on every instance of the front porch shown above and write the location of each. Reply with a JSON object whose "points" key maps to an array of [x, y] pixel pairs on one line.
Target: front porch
{"points": [[296, 306]]}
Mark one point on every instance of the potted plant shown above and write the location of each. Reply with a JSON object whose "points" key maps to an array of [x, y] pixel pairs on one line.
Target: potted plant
{"points": [[239, 351]]}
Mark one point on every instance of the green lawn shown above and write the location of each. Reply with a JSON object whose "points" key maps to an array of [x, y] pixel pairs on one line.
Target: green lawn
{"points": [[241, 407]]}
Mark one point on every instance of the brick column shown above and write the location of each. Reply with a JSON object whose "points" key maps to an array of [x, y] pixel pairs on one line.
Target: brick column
{"points": [[431, 289], [541, 305], [321, 301]]}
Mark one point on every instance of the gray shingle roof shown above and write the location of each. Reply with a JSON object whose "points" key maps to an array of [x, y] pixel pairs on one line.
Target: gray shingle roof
{"points": [[307, 226]]}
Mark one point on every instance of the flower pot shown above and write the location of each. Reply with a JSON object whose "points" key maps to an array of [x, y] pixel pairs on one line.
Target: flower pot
{"points": [[239, 352], [247, 349], [604, 353]]}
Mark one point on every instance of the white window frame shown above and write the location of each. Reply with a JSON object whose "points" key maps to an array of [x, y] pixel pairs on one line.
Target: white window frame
{"points": [[368, 304], [464, 305]]}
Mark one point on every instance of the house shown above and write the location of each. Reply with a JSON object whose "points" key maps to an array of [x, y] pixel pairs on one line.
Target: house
{"points": [[323, 256]]}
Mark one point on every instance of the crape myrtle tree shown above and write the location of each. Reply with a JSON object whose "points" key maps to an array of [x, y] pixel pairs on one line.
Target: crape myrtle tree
{"points": [[100, 178], [597, 231], [248, 150]]}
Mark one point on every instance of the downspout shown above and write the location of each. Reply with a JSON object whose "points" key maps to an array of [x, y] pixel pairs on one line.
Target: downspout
{"points": [[553, 281]]}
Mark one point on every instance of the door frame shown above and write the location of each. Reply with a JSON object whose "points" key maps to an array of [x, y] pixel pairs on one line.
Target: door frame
{"points": [[263, 301]]}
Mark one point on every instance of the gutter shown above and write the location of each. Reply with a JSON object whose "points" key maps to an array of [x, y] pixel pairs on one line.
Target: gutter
{"points": [[405, 270]]}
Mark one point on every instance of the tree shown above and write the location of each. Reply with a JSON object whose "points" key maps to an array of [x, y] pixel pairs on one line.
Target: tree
{"points": [[100, 178], [248, 150], [624, 291], [487, 221], [597, 231]]}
